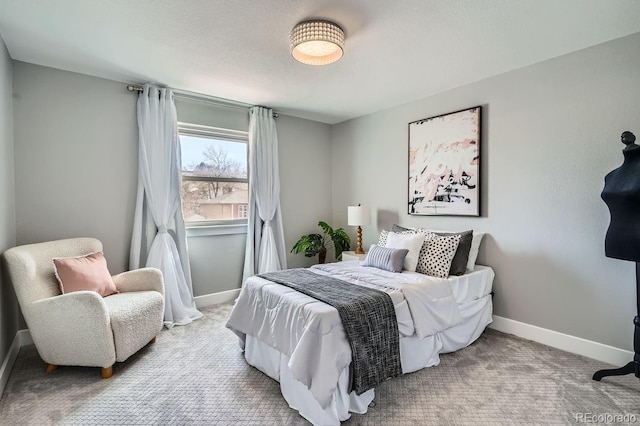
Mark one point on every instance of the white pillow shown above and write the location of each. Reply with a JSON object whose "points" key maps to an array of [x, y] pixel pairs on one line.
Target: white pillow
{"points": [[382, 241], [411, 242], [473, 253]]}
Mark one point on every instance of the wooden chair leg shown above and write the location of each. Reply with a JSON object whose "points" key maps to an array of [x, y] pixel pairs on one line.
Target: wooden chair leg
{"points": [[51, 368], [107, 372], [153, 340]]}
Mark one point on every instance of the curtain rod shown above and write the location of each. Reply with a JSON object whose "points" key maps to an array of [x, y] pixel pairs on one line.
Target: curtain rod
{"points": [[192, 96]]}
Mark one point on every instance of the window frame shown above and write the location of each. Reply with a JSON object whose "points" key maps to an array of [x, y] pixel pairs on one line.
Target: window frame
{"points": [[216, 133]]}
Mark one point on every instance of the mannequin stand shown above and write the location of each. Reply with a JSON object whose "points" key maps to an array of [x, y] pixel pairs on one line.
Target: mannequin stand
{"points": [[634, 366]]}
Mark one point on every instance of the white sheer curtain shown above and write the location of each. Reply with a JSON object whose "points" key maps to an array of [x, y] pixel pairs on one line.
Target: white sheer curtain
{"points": [[159, 238], [265, 238]]}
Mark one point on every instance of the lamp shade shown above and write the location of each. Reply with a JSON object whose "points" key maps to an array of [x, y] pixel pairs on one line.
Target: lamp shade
{"points": [[358, 216]]}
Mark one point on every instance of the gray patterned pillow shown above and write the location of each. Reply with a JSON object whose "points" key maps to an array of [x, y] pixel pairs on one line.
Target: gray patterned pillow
{"points": [[398, 228], [388, 259], [436, 255]]}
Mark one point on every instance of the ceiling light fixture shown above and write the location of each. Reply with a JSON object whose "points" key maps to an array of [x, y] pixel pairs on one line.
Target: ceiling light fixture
{"points": [[317, 42]]}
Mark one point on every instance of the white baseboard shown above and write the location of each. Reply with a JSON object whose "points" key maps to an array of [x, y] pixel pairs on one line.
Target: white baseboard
{"points": [[577, 345], [23, 338], [216, 298]]}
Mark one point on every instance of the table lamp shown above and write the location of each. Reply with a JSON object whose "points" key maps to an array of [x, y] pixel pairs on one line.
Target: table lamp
{"points": [[358, 216]]}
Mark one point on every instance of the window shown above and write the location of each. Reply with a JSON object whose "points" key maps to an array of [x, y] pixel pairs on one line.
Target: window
{"points": [[215, 184]]}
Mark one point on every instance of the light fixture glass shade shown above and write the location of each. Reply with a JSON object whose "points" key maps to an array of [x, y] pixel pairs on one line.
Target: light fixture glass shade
{"points": [[317, 42], [358, 216]]}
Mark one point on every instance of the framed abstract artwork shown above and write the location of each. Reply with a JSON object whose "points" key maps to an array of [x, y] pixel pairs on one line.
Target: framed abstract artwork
{"points": [[444, 164]]}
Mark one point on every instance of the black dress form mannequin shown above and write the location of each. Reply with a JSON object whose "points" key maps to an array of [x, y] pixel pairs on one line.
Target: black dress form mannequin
{"points": [[622, 195]]}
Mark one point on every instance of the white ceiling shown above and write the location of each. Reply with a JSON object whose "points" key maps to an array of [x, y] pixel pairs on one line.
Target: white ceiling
{"points": [[396, 50]]}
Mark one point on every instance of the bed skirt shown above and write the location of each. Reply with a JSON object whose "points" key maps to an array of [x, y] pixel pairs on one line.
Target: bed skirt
{"points": [[415, 355]]}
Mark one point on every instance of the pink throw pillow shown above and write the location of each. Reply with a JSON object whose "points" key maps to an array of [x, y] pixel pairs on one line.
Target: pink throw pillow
{"points": [[88, 272]]}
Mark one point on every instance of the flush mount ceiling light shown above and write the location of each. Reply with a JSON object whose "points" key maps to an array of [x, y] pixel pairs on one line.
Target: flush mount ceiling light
{"points": [[317, 42]]}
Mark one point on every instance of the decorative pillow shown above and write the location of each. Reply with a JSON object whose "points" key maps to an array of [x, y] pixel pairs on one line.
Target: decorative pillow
{"points": [[437, 254], [473, 253], [412, 242], [382, 241], [398, 228], [461, 258], [88, 272], [385, 258]]}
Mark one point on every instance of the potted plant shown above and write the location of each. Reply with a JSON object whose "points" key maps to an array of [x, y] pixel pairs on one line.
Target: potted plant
{"points": [[313, 244]]}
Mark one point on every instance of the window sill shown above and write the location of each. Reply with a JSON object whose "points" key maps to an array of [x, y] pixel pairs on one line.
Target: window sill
{"points": [[209, 230]]}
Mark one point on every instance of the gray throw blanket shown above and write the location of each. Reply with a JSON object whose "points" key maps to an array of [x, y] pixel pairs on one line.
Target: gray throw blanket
{"points": [[368, 318]]}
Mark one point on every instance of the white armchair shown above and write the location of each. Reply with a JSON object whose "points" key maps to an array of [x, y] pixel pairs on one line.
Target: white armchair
{"points": [[82, 328]]}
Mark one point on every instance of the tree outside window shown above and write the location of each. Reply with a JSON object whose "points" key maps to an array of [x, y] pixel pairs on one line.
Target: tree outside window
{"points": [[215, 186]]}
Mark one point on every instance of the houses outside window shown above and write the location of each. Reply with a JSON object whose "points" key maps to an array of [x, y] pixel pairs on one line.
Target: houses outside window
{"points": [[215, 184], [243, 210]]}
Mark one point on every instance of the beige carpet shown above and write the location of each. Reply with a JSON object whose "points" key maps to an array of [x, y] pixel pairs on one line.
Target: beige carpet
{"points": [[196, 375]]}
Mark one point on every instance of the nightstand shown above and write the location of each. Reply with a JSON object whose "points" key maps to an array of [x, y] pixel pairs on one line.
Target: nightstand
{"points": [[351, 255]]}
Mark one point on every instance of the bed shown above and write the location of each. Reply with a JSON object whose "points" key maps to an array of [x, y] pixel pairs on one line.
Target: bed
{"points": [[300, 342]]}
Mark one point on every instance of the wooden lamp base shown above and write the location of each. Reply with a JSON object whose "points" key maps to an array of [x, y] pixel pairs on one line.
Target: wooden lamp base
{"points": [[359, 241]]}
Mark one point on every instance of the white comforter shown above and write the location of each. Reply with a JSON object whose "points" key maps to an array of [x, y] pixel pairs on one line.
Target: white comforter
{"points": [[310, 332]]}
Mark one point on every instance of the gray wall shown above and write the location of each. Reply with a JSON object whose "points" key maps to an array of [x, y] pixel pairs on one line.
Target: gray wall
{"points": [[216, 262], [305, 176], [76, 170], [9, 312], [75, 159], [550, 134]]}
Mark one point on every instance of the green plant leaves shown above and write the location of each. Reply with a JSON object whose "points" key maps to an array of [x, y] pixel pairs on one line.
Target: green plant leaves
{"points": [[310, 244], [326, 228], [313, 244], [341, 241]]}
